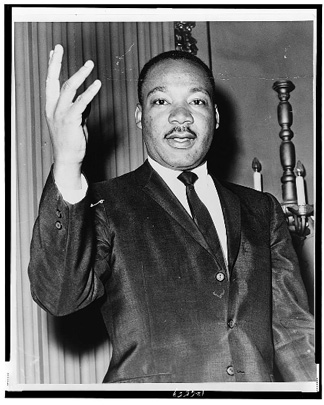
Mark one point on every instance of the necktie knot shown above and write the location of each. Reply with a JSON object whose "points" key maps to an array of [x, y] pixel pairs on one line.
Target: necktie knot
{"points": [[188, 178]]}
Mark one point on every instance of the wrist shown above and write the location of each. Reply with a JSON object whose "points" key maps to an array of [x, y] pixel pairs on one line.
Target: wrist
{"points": [[68, 175]]}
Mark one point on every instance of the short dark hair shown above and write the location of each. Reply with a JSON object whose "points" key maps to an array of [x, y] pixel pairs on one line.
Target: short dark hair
{"points": [[174, 55]]}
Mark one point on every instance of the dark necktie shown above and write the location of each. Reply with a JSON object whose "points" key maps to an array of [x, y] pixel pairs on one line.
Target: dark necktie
{"points": [[200, 213]]}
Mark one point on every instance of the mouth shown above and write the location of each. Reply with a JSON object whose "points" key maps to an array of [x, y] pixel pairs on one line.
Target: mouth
{"points": [[181, 139]]}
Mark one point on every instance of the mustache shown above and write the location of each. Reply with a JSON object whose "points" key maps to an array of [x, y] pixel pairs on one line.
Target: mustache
{"points": [[180, 129]]}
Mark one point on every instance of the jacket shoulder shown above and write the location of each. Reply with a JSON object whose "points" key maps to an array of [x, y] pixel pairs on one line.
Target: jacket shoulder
{"points": [[125, 183], [240, 190], [252, 198]]}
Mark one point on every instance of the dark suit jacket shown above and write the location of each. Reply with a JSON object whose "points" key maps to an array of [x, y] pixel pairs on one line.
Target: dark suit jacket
{"points": [[173, 311]]}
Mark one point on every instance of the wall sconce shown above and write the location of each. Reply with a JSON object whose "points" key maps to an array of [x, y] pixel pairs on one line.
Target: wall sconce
{"points": [[294, 205], [296, 210]]}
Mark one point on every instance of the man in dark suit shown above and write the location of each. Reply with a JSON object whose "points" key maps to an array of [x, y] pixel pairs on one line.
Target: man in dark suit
{"points": [[181, 301]]}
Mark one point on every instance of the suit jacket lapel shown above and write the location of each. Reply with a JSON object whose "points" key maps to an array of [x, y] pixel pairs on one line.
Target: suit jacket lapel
{"points": [[154, 185], [158, 190], [232, 216]]}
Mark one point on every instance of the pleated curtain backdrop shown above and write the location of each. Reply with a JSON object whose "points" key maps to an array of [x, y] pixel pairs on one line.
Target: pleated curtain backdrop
{"points": [[72, 349]]}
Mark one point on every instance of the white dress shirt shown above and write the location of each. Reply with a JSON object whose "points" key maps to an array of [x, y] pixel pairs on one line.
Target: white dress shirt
{"points": [[204, 186], [73, 196]]}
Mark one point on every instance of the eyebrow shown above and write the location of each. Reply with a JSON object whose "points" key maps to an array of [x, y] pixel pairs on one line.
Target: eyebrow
{"points": [[200, 90], [158, 88], [192, 90]]}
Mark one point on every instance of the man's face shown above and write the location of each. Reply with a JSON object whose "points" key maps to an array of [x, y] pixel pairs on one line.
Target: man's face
{"points": [[177, 117]]}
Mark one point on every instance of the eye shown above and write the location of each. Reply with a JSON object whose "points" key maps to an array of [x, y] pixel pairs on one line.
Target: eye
{"points": [[198, 101], [160, 101]]}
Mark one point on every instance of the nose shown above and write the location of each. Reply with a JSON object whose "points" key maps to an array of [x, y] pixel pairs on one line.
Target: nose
{"points": [[180, 115]]}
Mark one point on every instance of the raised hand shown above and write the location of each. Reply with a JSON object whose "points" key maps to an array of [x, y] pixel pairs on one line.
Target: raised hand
{"points": [[64, 118]]}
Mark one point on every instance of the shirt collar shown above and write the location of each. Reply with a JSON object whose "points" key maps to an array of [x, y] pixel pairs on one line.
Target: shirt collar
{"points": [[171, 174]]}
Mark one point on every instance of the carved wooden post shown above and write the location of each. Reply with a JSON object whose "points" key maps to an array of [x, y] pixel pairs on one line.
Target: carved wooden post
{"points": [[287, 148], [184, 41]]}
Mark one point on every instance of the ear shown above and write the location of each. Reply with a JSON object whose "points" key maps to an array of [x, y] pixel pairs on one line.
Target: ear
{"points": [[216, 116], [138, 116]]}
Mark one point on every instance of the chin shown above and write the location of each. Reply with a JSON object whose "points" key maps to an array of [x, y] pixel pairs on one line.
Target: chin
{"points": [[184, 164], [178, 160]]}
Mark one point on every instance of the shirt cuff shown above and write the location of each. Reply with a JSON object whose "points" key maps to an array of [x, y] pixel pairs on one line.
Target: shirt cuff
{"points": [[74, 196]]}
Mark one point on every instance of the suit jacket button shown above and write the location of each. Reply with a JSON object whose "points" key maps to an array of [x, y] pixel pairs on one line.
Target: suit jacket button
{"points": [[230, 370], [58, 225], [220, 276], [231, 323], [58, 213]]}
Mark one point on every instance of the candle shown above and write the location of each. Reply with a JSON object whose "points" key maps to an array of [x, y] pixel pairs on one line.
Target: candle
{"points": [[300, 185], [257, 178], [257, 181]]}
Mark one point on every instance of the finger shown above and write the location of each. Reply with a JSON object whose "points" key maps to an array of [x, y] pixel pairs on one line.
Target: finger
{"points": [[55, 62], [70, 87], [85, 98], [52, 81]]}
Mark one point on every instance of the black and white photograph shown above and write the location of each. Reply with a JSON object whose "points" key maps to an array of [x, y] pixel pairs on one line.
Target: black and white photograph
{"points": [[163, 201]]}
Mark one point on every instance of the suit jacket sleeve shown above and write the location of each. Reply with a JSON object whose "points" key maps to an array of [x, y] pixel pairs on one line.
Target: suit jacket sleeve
{"points": [[293, 325], [69, 259]]}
